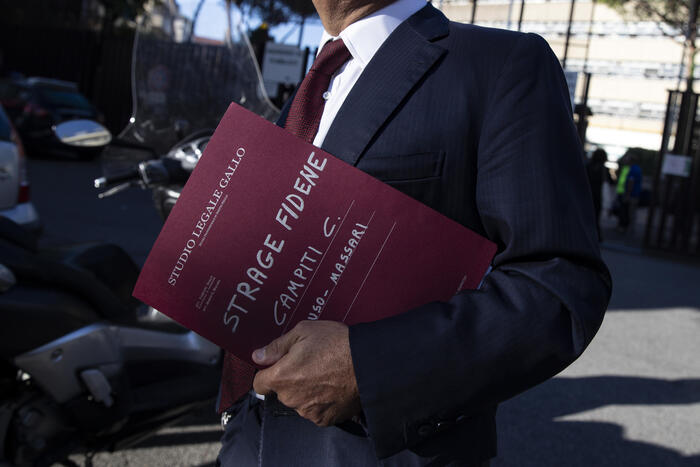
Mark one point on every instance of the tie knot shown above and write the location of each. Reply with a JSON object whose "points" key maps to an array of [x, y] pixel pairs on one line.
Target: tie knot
{"points": [[331, 58]]}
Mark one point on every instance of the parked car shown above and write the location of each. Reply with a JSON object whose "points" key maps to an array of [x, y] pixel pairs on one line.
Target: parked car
{"points": [[37, 105], [14, 186]]}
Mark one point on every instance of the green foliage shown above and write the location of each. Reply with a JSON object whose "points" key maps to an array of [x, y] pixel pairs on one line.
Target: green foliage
{"points": [[300, 8], [678, 15], [646, 158], [278, 11], [127, 9], [674, 13], [71, 13]]}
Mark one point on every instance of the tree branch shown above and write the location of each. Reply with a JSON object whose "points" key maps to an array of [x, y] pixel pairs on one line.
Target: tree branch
{"points": [[651, 10], [670, 35]]}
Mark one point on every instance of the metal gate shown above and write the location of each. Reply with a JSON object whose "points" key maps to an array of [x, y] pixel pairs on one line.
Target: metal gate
{"points": [[673, 223]]}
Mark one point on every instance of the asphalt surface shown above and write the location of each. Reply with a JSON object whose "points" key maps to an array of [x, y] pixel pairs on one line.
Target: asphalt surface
{"points": [[632, 399]]}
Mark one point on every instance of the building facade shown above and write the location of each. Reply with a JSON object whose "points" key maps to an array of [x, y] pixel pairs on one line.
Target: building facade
{"points": [[632, 63]]}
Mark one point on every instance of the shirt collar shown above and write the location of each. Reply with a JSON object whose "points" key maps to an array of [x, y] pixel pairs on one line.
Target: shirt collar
{"points": [[364, 37]]}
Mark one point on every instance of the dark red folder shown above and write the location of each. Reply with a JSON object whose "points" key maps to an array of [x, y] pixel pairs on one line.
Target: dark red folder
{"points": [[271, 230]]}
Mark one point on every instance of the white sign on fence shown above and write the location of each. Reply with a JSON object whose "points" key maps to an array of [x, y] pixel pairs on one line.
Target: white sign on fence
{"points": [[677, 165], [281, 65]]}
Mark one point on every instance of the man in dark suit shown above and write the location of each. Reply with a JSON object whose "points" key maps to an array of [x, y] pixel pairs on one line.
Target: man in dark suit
{"points": [[475, 123]]}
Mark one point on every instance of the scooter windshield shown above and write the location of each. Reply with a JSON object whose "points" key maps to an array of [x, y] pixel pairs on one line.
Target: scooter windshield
{"points": [[184, 83]]}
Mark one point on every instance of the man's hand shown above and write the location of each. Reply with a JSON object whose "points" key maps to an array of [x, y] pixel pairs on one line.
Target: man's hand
{"points": [[311, 372]]}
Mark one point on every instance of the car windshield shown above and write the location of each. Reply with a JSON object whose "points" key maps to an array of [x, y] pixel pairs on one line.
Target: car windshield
{"points": [[64, 98]]}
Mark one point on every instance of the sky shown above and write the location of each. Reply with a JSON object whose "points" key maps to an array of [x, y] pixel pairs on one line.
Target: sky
{"points": [[212, 23]]}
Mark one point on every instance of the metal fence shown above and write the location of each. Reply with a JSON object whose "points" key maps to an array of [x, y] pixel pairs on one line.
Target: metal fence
{"points": [[674, 214]]}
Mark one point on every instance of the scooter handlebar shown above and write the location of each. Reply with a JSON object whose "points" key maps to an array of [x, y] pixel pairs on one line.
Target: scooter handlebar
{"points": [[109, 180], [147, 174]]}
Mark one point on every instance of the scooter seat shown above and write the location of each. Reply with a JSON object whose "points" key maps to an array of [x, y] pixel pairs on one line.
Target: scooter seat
{"points": [[108, 263], [18, 235], [102, 275], [33, 268]]}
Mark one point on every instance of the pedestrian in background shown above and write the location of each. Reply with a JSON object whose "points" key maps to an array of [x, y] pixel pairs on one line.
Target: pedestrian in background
{"points": [[597, 172], [629, 188]]}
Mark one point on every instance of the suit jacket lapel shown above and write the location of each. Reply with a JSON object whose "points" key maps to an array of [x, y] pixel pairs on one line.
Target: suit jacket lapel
{"points": [[398, 65]]}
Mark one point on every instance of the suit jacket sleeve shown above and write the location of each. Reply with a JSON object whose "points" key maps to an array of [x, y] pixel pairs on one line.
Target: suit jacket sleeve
{"points": [[538, 308]]}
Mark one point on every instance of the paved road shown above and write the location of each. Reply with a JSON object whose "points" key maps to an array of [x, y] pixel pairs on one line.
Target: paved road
{"points": [[63, 193], [633, 399]]}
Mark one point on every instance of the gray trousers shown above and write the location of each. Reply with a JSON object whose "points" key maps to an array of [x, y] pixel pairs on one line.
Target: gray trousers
{"points": [[268, 434]]}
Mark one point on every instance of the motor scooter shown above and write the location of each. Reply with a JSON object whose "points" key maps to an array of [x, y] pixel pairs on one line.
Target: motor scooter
{"points": [[84, 367], [180, 92]]}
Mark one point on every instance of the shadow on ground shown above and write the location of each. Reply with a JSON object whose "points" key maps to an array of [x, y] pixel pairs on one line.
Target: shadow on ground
{"points": [[530, 435], [202, 426]]}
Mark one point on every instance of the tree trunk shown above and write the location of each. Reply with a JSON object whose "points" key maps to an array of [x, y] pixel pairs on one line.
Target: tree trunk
{"points": [[194, 20], [301, 30], [271, 12], [691, 47], [690, 69], [229, 24]]}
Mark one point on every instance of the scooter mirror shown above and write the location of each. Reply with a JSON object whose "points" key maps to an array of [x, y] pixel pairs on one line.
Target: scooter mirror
{"points": [[82, 133]]}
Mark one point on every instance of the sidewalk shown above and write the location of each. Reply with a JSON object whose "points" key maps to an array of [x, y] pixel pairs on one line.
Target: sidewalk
{"points": [[633, 398]]}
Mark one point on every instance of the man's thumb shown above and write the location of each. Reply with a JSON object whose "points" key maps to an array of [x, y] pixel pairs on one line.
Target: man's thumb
{"points": [[275, 350]]}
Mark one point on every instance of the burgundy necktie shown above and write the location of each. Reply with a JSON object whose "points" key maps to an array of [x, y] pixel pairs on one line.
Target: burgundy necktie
{"points": [[307, 106], [302, 121]]}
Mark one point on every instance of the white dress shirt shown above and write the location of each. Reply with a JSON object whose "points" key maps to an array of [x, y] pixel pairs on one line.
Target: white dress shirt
{"points": [[362, 38]]}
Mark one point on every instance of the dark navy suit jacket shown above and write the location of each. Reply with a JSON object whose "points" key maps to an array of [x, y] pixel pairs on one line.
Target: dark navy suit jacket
{"points": [[475, 123]]}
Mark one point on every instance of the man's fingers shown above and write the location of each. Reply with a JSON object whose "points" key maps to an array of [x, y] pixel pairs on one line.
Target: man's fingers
{"points": [[261, 383], [275, 350]]}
